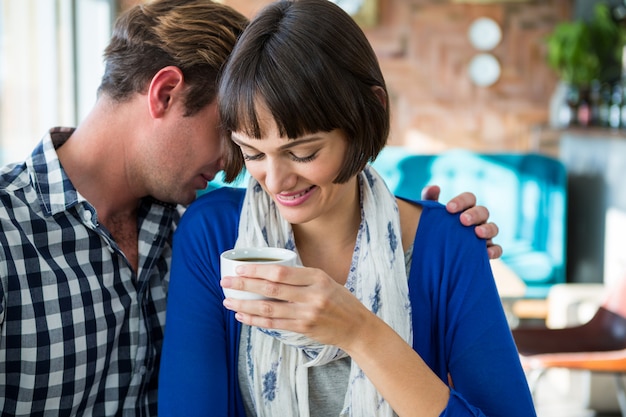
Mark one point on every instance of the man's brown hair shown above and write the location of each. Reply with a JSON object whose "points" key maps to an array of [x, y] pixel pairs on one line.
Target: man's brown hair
{"points": [[196, 36]]}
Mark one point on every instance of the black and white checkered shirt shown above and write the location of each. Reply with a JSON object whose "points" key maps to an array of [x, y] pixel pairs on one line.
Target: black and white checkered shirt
{"points": [[80, 332]]}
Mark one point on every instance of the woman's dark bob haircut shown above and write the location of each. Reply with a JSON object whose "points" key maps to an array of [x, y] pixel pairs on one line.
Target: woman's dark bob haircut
{"points": [[313, 68]]}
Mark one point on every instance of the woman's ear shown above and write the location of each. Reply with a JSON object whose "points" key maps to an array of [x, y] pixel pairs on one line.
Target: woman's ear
{"points": [[381, 94]]}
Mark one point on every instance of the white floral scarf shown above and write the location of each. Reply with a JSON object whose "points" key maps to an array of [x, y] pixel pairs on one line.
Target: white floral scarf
{"points": [[277, 361]]}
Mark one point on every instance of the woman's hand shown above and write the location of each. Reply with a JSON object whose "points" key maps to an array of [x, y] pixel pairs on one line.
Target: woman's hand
{"points": [[303, 300], [309, 302], [472, 215]]}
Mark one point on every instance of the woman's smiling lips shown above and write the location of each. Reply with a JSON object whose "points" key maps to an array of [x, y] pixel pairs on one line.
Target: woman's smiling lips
{"points": [[294, 199]]}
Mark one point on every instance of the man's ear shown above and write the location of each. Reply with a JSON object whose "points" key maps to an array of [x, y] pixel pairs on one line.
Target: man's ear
{"points": [[380, 93], [166, 84]]}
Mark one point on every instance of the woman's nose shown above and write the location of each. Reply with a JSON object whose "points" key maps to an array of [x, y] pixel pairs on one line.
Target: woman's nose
{"points": [[278, 177]]}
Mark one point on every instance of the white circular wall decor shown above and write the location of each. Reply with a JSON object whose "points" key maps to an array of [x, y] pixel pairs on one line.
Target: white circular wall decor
{"points": [[484, 70], [484, 34]]}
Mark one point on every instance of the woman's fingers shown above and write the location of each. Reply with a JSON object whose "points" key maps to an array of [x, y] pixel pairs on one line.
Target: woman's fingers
{"points": [[272, 281], [310, 303]]}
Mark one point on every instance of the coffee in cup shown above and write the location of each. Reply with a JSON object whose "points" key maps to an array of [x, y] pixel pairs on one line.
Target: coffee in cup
{"points": [[232, 258]]}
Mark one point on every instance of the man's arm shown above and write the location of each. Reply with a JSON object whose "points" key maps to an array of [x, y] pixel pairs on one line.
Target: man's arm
{"points": [[472, 215]]}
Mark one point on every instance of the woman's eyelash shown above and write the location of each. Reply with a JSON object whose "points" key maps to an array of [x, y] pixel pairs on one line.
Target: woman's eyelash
{"points": [[256, 157], [304, 159], [295, 158]]}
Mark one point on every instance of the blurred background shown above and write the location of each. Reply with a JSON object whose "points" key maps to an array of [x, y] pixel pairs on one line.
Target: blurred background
{"points": [[500, 80], [50, 66]]}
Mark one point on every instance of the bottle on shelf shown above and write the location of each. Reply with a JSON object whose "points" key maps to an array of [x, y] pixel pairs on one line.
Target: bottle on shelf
{"points": [[622, 84], [623, 105], [615, 110], [604, 105], [583, 110], [573, 99], [595, 100]]}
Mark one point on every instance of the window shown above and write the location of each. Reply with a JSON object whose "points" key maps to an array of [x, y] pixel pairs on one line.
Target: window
{"points": [[50, 67]]}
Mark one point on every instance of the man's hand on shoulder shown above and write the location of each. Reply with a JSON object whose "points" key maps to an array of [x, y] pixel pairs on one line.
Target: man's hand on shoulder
{"points": [[471, 214]]}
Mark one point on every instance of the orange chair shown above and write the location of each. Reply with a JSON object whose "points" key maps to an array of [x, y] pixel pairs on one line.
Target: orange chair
{"points": [[597, 346]]}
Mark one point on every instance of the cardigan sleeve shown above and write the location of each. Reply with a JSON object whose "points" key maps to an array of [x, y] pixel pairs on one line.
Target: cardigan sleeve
{"points": [[198, 364], [459, 325]]}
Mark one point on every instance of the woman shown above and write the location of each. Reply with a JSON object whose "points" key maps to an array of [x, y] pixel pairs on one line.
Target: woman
{"points": [[394, 310]]}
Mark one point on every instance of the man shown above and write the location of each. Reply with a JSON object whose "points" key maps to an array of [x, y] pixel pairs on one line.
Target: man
{"points": [[86, 221]]}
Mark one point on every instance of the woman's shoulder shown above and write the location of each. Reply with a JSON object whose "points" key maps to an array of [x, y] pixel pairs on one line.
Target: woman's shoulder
{"points": [[430, 220], [410, 213], [430, 217], [218, 208], [223, 199]]}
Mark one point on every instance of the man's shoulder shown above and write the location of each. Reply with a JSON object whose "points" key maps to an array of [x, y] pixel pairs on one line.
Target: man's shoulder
{"points": [[13, 177], [18, 198]]}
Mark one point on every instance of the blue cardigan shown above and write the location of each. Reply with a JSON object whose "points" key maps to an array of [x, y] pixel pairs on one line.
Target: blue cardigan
{"points": [[458, 322]]}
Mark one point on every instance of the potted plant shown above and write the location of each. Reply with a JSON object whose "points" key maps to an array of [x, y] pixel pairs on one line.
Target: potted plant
{"points": [[570, 53], [583, 52], [608, 39]]}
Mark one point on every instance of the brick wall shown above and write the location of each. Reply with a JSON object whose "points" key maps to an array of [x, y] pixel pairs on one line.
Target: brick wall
{"points": [[424, 51]]}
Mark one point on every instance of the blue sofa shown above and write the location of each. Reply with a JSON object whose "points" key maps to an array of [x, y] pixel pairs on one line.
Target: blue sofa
{"points": [[526, 195]]}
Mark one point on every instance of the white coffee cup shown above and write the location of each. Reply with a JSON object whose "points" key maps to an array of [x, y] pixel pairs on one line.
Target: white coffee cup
{"points": [[232, 258]]}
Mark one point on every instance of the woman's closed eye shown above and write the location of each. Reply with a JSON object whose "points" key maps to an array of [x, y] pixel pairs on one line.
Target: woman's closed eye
{"points": [[292, 156], [308, 158], [248, 157]]}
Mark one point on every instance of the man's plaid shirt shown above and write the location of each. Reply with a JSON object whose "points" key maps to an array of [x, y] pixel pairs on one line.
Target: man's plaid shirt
{"points": [[80, 332]]}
